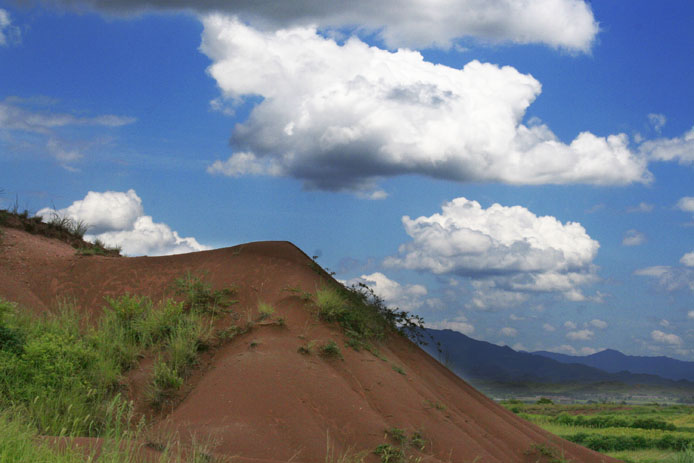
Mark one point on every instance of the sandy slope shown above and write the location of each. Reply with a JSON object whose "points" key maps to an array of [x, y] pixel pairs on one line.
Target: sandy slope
{"points": [[258, 398]]}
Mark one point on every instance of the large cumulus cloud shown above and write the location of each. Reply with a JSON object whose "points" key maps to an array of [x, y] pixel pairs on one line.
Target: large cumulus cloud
{"points": [[118, 219], [567, 24], [341, 116], [508, 249]]}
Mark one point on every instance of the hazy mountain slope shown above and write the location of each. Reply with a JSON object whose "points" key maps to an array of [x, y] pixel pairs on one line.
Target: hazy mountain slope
{"points": [[474, 359], [614, 361]]}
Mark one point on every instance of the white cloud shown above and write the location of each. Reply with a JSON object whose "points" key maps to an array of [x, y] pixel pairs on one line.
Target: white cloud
{"points": [[589, 350], [687, 259], [686, 204], [9, 33], [244, 164], [487, 296], [565, 348], [515, 317], [690, 314], [569, 325], [657, 121], [548, 327], [665, 338], [642, 207], [664, 323], [567, 24], [580, 335], [633, 238], [519, 347], [679, 149], [460, 324], [38, 126], [509, 332], [406, 297], [599, 324], [506, 248], [341, 117], [670, 278], [117, 219], [17, 116]]}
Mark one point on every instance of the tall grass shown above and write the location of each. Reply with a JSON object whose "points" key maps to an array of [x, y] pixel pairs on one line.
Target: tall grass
{"points": [[363, 315], [63, 376]]}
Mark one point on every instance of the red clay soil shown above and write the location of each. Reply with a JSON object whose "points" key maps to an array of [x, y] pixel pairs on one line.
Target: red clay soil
{"points": [[258, 399]]}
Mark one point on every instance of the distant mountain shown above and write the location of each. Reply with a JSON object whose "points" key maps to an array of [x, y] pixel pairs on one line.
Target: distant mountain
{"points": [[480, 360], [614, 361]]}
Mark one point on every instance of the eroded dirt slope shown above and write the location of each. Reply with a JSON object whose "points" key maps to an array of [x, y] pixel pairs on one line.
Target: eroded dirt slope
{"points": [[261, 400]]}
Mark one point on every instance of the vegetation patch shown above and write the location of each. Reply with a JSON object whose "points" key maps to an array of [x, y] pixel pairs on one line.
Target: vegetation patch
{"points": [[59, 227], [648, 433], [363, 315], [330, 349], [61, 378]]}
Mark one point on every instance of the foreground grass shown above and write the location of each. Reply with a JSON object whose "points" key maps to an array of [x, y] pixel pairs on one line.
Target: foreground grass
{"points": [[61, 378], [638, 434]]}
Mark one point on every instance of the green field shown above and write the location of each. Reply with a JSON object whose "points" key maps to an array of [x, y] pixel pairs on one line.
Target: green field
{"points": [[651, 433]]}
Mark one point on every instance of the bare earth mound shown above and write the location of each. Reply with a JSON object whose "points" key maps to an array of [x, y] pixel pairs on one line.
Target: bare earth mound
{"points": [[258, 398]]}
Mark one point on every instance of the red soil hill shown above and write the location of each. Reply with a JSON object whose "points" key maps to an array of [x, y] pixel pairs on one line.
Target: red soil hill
{"points": [[261, 400]]}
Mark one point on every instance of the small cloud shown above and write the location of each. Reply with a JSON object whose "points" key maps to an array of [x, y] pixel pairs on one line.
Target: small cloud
{"points": [[599, 324], [633, 238], [688, 259], [519, 347], [459, 324], [569, 325], [580, 335], [690, 314], [686, 204], [588, 350], [509, 332], [243, 163], [548, 327], [405, 296], [642, 207], [9, 33], [515, 317], [564, 348], [596, 208], [664, 323], [657, 121], [666, 338], [374, 195]]}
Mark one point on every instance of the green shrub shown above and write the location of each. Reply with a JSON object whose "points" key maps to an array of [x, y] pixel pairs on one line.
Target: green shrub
{"points": [[389, 454], [199, 296], [330, 349], [265, 310], [165, 381], [397, 434]]}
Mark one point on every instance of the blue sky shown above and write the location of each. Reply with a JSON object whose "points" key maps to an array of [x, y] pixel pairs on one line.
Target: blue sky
{"points": [[521, 174]]}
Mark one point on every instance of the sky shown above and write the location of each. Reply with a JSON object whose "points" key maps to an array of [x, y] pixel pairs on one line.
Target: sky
{"points": [[518, 170]]}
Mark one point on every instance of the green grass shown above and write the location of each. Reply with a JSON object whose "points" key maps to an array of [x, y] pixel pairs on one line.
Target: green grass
{"points": [[390, 454], [363, 316], [633, 433], [330, 349], [63, 376], [265, 310], [200, 297]]}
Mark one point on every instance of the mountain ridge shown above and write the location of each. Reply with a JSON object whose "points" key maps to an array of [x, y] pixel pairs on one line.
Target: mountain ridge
{"points": [[473, 359], [614, 361]]}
